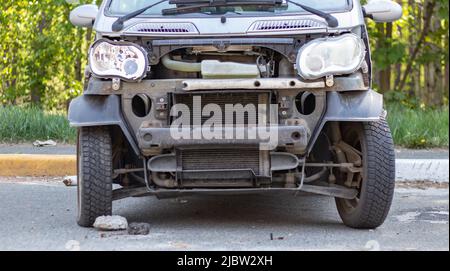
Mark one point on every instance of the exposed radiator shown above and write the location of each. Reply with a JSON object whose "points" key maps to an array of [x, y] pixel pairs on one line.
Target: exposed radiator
{"points": [[221, 159]]}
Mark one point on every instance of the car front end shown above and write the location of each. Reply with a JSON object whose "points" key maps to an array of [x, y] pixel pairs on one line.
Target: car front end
{"points": [[226, 97]]}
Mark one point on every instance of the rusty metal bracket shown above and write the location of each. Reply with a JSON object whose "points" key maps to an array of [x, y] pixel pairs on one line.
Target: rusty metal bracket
{"points": [[354, 157]]}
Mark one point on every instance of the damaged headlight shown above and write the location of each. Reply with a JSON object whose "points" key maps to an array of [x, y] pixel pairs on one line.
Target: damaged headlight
{"points": [[108, 59], [331, 56]]}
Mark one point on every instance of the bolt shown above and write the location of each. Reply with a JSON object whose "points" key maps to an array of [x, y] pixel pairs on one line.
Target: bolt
{"points": [[116, 84], [329, 80]]}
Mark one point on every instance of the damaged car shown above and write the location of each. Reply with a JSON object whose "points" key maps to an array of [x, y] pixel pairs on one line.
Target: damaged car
{"points": [[195, 97]]}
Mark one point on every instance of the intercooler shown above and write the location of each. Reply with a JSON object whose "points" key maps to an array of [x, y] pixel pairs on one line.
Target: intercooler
{"points": [[223, 167], [221, 158]]}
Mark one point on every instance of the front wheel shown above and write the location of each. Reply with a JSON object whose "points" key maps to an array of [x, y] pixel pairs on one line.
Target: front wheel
{"points": [[94, 158], [373, 140]]}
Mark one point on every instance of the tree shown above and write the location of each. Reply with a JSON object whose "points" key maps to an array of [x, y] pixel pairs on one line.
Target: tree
{"points": [[42, 56]]}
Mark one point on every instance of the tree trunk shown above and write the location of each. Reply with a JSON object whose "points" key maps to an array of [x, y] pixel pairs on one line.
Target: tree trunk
{"points": [[437, 94], [398, 66], [446, 80], [446, 68], [37, 88], [78, 61], [426, 27], [385, 74]]}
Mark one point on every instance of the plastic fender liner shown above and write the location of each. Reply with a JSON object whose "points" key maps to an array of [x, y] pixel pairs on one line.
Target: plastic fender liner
{"points": [[92, 110], [357, 106], [361, 106]]}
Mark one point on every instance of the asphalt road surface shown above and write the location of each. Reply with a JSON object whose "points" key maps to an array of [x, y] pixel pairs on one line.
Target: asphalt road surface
{"points": [[41, 216]]}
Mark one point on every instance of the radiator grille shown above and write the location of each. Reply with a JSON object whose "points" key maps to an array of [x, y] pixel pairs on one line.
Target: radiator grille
{"points": [[163, 28], [285, 25], [217, 159], [222, 99]]}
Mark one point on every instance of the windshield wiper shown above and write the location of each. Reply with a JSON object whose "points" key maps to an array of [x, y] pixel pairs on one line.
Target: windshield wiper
{"points": [[118, 24], [198, 2], [330, 19], [189, 6]]}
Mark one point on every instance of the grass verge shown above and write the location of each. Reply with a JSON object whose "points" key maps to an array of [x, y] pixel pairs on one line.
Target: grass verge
{"points": [[411, 128], [418, 128], [19, 124]]}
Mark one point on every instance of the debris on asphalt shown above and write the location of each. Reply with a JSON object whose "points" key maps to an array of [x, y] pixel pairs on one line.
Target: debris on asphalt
{"points": [[73, 245], [111, 223], [179, 201], [70, 180], [275, 238], [47, 143], [139, 229]]}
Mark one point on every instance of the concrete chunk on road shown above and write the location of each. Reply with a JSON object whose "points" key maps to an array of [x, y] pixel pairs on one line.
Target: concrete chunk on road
{"points": [[139, 229], [111, 223], [70, 180]]}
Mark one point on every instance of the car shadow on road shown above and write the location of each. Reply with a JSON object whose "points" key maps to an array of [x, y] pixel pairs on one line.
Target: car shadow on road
{"points": [[234, 211]]}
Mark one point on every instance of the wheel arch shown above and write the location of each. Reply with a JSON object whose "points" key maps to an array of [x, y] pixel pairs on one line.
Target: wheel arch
{"points": [[96, 110], [354, 106]]}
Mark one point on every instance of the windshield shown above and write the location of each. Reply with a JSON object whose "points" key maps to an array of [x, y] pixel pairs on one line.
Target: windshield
{"points": [[122, 7]]}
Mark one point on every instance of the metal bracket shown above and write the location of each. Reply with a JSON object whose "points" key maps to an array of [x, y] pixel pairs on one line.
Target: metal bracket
{"points": [[161, 108], [285, 106]]}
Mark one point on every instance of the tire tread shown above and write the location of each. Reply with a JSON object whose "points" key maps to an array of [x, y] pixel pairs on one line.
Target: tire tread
{"points": [[96, 198], [380, 180]]}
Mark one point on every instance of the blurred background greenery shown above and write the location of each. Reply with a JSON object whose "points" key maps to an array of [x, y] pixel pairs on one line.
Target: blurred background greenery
{"points": [[43, 58]]}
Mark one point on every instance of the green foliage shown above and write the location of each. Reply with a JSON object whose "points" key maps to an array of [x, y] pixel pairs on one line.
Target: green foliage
{"points": [[393, 45], [29, 124], [43, 54], [392, 52]]}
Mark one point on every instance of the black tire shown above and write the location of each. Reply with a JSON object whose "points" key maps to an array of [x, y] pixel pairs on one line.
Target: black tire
{"points": [[94, 158], [376, 192]]}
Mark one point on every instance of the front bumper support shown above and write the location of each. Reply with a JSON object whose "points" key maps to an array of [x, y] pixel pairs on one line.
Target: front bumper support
{"points": [[267, 137]]}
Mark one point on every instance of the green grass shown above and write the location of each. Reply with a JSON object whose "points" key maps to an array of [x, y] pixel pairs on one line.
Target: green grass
{"points": [[411, 128], [418, 128], [18, 124]]}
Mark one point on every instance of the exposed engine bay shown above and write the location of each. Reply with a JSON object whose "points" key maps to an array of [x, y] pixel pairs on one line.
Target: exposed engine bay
{"points": [[225, 74]]}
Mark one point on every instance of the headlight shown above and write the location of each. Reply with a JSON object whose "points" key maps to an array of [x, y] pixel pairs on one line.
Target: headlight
{"points": [[123, 60], [331, 56]]}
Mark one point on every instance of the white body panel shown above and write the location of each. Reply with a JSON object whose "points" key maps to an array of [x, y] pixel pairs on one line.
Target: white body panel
{"points": [[236, 25]]}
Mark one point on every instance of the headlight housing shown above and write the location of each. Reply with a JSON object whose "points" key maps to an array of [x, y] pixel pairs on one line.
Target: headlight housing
{"points": [[331, 56], [124, 60]]}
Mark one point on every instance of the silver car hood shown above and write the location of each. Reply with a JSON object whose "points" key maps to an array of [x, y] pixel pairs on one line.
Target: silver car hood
{"points": [[235, 25]]}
